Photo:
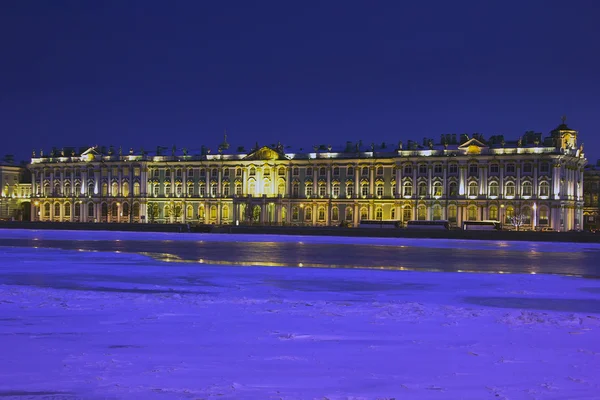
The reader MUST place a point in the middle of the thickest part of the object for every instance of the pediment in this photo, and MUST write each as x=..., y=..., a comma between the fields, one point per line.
x=472, y=146
x=265, y=153
x=90, y=154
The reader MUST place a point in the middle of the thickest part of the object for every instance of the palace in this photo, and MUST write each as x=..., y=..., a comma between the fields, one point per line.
x=456, y=179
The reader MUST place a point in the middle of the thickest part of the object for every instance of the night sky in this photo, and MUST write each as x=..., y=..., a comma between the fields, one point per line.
x=147, y=73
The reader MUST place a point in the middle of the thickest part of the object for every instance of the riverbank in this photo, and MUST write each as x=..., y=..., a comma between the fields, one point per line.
x=576, y=237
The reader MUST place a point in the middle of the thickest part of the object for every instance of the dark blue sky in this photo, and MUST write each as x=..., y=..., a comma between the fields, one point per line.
x=144, y=73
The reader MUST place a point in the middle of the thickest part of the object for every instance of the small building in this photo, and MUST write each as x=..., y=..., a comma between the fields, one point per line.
x=15, y=191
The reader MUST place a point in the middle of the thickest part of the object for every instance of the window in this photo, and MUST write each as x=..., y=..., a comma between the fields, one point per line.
x=407, y=190
x=494, y=213
x=473, y=169
x=494, y=168
x=472, y=189
x=322, y=190
x=349, y=214
x=365, y=171
x=422, y=189
x=336, y=190
x=406, y=213
x=437, y=169
x=472, y=213
x=422, y=169
x=202, y=172
x=309, y=190
x=190, y=189
x=527, y=168
x=295, y=189
x=493, y=189
x=167, y=189
x=437, y=189
x=308, y=213
x=393, y=213
x=364, y=214
x=252, y=171
x=167, y=173
x=364, y=189
x=190, y=173
x=214, y=173
x=407, y=169
x=213, y=212
x=510, y=213
x=527, y=189
x=225, y=212
x=509, y=189
x=266, y=172
x=349, y=190
x=322, y=171
x=125, y=189
x=225, y=190
x=421, y=213
x=281, y=171
x=136, y=189
x=105, y=189
x=178, y=173
x=510, y=168
x=295, y=213
x=309, y=171
x=544, y=168
x=526, y=212
x=543, y=216
x=202, y=190
x=114, y=189
x=90, y=209
x=213, y=190
x=336, y=171
x=238, y=189
x=379, y=190
x=378, y=214
x=321, y=214
x=453, y=169
x=226, y=172
x=335, y=214
x=56, y=210
x=350, y=171
x=189, y=212
x=379, y=171
x=67, y=209
x=437, y=212
x=452, y=213
x=453, y=189
x=544, y=189
x=296, y=171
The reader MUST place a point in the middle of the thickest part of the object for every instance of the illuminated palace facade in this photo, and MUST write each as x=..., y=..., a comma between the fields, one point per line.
x=457, y=179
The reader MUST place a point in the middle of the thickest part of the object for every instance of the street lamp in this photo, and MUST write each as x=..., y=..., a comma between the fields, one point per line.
x=502, y=215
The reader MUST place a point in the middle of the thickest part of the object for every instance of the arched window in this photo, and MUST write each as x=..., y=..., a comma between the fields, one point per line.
x=509, y=189
x=77, y=189
x=322, y=171
x=167, y=189
x=57, y=191
x=544, y=189
x=308, y=213
x=284, y=214
x=364, y=213
x=422, y=189
x=421, y=213
x=378, y=213
x=452, y=213
x=295, y=214
x=252, y=171
x=189, y=212
x=238, y=189
x=407, y=189
x=350, y=171
x=90, y=209
x=510, y=213
x=437, y=212
x=393, y=213
x=104, y=210
x=527, y=189
x=225, y=212
x=322, y=190
x=281, y=188
x=452, y=189
x=349, y=214
x=349, y=190
x=125, y=209
x=213, y=190
x=365, y=171
x=67, y=189
x=114, y=189
x=136, y=210
x=543, y=219
x=335, y=190
x=47, y=210
x=190, y=189
x=379, y=190
x=46, y=189
x=335, y=214
x=213, y=212
x=526, y=215
x=201, y=212
x=67, y=208
x=125, y=189
x=380, y=170
x=437, y=190
x=178, y=189
x=472, y=189
x=56, y=210
x=321, y=214
x=252, y=188
x=406, y=213
x=115, y=210
x=493, y=189
x=336, y=171
x=493, y=213
x=105, y=189
x=267, y=186
x=472, y=213
x=364, y=189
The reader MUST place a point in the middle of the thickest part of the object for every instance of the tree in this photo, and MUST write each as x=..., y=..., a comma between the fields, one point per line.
x=517, y=220
x=152, y=211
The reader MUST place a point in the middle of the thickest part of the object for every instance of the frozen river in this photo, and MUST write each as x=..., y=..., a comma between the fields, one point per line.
x=329, y=252
x=111, y=315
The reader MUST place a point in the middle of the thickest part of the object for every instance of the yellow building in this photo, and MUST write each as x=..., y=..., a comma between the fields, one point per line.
x=15, y=192
x=456, y=179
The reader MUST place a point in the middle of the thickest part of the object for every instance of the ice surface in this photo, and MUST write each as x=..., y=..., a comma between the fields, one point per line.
x=101, y=325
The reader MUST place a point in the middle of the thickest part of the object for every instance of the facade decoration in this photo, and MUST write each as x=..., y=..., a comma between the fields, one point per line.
x=591, y=201
x=456, y=179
